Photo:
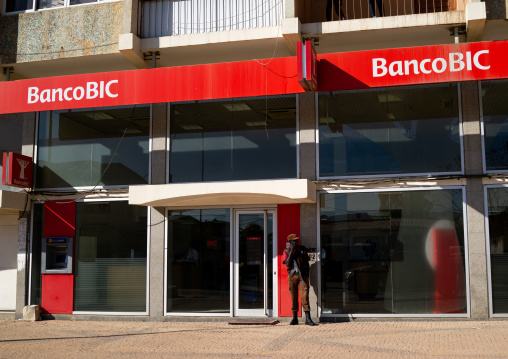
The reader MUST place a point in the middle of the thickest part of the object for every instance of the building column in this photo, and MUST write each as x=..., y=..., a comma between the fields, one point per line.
x=157, y=215
x=308, y=212
x=477, y=253
x=22, y=282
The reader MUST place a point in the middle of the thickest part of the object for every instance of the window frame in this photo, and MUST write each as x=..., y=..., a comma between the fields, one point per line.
x=93, y=200
x=35, y=9
x=397, y=175
x=297, y=140
x=482, y=130
x=351, y=316
x=487, y=251
x=98, y=187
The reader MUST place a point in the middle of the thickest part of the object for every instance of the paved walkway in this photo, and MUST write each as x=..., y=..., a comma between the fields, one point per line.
x=386, y=339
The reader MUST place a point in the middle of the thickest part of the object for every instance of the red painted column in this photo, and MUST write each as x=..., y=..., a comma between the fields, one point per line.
x=288, y=222
x=58, y=289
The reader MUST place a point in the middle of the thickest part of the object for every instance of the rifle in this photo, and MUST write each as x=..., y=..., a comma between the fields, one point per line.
x=297, y=270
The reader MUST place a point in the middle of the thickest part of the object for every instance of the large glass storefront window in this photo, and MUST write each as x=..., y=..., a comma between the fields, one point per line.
x=495, y=122
x=241, y=139
x=76, y=146
x=198, y=261
x=498, y=243
x=110, y=257
x=393, y=252
x=389, y=131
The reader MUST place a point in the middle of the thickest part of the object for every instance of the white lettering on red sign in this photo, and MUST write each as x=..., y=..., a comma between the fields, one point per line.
x=454, y=63
x=90, y=91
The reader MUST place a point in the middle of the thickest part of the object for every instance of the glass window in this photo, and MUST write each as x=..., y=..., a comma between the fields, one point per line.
x=111, y=253
x=393, y=252
x=198, y=261
x=11, y=137
x=399, y=130
x=48, y=4
x=28, y=5
x=18, y=5
x=75, y=147
x=498, y=239
x=227, y=140
x=495, y=122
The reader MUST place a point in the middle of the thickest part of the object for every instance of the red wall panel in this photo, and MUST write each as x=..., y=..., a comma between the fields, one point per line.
x=57, y=289
x=60, y=219
x=57, y=293
x=288, y=221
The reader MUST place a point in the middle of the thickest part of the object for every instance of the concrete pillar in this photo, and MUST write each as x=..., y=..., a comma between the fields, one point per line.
x=308, y=212
x=157, y=215
x=130, y=17
x=475, y=201
x=28, y=141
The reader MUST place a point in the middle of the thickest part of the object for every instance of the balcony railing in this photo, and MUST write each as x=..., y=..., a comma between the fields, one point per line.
x=182, y=17
x=337, y=10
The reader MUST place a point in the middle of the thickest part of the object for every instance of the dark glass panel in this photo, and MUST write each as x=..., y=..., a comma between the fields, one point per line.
x=111, y=257
x=393, y=252
x=247, y=139
x=398, y=130
x=76, y=146
x=198, y=261
x=498, y=237
x=495, y=121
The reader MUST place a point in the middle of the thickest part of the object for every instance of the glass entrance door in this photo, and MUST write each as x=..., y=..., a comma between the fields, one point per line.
x=255, y=263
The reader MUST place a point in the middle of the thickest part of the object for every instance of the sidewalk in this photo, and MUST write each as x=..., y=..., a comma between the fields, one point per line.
x=386, y=339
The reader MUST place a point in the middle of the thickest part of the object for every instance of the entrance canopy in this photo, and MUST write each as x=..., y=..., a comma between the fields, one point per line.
x=224, y=193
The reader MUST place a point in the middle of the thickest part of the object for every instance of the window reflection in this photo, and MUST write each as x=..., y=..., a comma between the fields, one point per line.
x=393, y=252
x=389, y=131
x=198, y=261
x=495, y=122
x=498, y=239
x=76, y=146
x=111, y=257
x=243, y=139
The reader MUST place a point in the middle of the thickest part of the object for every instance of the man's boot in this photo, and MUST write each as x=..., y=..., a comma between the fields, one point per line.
x=295, y=319
x=308, y=321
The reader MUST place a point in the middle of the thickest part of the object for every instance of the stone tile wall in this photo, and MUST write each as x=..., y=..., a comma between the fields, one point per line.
x=60, y=33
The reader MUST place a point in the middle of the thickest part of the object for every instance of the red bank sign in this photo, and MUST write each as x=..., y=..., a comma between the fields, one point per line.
x=330, y=72
x=307, y=65
x=17, y=170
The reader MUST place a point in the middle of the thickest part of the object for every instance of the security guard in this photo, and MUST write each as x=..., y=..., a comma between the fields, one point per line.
x=296, y=258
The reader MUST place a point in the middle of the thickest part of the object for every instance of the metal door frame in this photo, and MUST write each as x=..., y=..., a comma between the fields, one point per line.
x=235, y=273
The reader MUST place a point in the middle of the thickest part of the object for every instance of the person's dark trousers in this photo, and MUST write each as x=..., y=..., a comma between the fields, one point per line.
x=372, y=8
x=338, y=9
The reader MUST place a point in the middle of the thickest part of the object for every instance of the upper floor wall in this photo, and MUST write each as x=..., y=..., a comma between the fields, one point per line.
x=204, y=31
x=63, y=33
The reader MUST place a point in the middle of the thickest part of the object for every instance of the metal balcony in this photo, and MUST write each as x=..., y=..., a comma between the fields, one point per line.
x=338, y=10
x=183, y=17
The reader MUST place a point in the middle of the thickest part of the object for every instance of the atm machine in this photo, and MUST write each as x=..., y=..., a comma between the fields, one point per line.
x=56, y=255
x=57, y=275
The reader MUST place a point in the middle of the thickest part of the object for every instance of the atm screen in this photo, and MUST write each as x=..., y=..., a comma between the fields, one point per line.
x=61, y=259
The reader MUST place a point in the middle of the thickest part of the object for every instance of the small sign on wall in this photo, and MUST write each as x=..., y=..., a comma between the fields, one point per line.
x=17, y=170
